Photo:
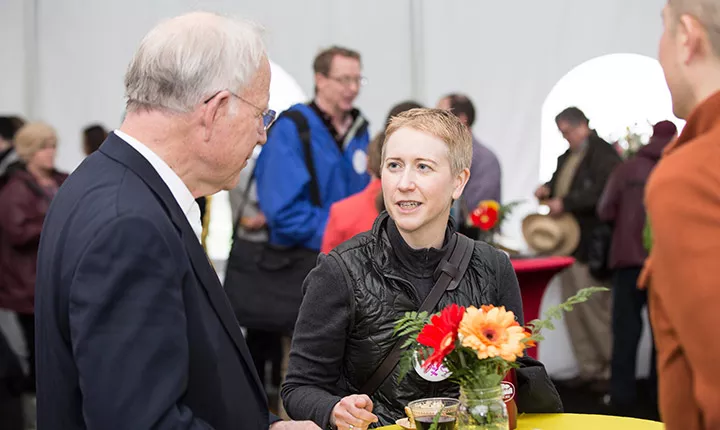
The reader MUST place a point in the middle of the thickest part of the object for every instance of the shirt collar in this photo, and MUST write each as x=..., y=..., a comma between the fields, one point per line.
x=177, y=187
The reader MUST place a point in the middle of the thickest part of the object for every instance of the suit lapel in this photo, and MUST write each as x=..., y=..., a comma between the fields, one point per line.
x=117, y=149
x=218, y=298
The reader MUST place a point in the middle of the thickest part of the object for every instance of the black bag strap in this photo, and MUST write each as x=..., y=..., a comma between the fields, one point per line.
x=303, y=129
x=452, y=271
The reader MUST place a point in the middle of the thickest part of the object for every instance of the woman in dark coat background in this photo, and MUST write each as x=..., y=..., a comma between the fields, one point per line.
x=29, y=187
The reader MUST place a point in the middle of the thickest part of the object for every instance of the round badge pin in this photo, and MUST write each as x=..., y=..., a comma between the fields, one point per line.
x=360, y=161
x=432, y=374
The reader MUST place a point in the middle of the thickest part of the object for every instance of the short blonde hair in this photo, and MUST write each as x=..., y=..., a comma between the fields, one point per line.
x=707, y=12
x=439, y=123
x=33, y=137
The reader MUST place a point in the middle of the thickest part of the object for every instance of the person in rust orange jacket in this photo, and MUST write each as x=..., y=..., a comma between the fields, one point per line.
x=683, y=205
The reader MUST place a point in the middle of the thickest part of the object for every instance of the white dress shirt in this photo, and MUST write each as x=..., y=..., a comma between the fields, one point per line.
x=177, y=187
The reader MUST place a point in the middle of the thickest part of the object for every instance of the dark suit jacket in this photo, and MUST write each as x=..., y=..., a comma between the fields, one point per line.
x=134, y=330
x=586, y=188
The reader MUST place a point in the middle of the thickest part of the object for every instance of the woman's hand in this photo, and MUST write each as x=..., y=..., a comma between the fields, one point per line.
x=353, y=413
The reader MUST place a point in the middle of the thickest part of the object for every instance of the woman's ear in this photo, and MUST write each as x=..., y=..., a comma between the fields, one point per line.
x=460, y=181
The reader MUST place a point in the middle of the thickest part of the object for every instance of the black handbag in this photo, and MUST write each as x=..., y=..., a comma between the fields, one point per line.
x=264, y=281
x=599, y=251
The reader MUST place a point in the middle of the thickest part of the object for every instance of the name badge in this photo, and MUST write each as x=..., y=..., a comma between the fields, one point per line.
x=433, y=373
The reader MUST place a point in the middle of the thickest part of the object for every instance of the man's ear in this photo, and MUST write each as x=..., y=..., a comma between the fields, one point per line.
x=463, y=119
x=692, y=38
x=214, y=109
x=320, y=81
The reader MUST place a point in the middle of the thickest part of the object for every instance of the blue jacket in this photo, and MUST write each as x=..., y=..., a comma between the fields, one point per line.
x=283, y=181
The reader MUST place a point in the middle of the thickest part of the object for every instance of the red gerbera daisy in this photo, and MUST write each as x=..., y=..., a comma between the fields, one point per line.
x=441, y=334
x=485, y=215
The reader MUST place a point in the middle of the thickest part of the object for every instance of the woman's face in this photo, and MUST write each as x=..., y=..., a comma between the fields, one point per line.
x=44, y=158
x=418, y=184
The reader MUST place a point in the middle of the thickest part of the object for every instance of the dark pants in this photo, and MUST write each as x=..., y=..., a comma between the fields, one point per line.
x=266, y=347
x=628, y=302
x=11, y=408
x=27, y=324
x=12, y=384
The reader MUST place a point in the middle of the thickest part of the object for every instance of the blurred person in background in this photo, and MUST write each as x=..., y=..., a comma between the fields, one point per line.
x=295, y=215
x=12, y=379
x=622, y=204
x=485, y=172
x=339, y=138
x=575, y=188
x=9, y=125
x=31, y=185
x=93, y=136
x=357, y=213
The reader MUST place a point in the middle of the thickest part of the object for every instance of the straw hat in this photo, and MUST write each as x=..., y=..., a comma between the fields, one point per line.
x=550, y=235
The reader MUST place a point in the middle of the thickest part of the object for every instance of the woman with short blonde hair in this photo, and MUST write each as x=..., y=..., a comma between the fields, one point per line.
x=358, y=291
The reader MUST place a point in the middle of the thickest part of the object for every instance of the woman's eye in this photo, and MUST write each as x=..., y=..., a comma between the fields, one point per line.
x=392, y=165
x=423, y=167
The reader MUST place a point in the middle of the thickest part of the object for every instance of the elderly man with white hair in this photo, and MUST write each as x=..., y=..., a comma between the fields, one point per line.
x=134, y=330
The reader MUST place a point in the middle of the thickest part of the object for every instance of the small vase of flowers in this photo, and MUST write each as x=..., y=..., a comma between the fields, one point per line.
x=476, y=348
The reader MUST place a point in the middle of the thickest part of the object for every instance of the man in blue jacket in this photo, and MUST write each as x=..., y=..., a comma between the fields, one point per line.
x=338, y=142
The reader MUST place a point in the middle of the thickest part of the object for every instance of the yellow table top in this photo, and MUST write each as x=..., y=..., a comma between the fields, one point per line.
x=577, y=422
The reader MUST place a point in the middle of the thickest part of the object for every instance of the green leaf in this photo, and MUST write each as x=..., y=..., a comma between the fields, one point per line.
x=407, y=363
x=436, y=419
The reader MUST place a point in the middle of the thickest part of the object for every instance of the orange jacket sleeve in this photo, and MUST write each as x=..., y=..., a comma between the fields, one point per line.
x=333, y=235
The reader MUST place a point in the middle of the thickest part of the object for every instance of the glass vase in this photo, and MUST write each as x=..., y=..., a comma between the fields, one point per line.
x=482, y=409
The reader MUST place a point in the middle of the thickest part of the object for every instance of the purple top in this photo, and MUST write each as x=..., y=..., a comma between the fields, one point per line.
x=485, y=177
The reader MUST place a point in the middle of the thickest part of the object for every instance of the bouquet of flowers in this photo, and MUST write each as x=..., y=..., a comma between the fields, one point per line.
x=475, y=347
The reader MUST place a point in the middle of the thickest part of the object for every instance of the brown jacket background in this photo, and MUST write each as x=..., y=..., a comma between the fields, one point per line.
x=622, y=204
x=683, y=203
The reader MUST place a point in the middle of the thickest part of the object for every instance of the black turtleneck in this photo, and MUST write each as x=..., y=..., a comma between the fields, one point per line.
x=418, y=265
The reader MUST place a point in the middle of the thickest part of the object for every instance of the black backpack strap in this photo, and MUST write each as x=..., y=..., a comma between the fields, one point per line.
x=303, y=129
x=452, y=271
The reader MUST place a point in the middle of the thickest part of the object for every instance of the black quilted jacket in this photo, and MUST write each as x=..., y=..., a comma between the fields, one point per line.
x=352, y=300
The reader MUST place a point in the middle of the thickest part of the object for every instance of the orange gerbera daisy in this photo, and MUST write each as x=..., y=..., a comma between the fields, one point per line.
x=493, y=332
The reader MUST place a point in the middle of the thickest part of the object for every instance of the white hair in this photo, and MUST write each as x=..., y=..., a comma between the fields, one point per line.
x=184, y=60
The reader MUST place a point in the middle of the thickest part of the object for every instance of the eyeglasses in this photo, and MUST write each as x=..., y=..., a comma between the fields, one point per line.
x=267, y=115
x=346, y=81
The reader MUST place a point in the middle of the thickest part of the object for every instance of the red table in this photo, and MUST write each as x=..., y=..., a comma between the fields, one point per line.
x=533, y=275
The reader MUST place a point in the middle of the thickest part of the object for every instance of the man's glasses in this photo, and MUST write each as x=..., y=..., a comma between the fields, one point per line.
x=346, y=81
x=268, y=115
